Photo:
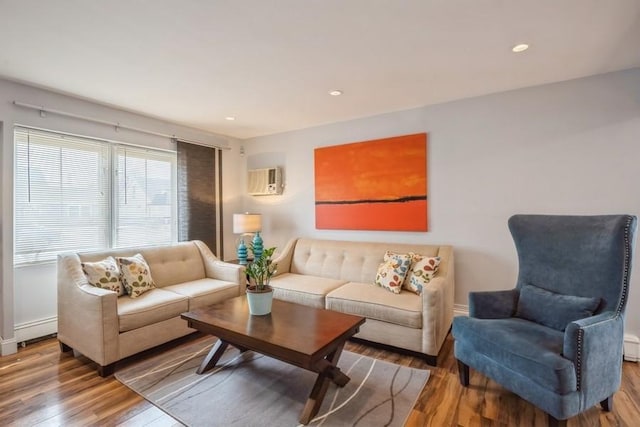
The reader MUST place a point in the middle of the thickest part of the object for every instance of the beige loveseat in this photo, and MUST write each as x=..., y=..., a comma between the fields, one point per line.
x=340, y=276
x=106, y=328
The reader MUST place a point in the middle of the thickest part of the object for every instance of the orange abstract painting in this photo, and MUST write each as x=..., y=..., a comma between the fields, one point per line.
x=373, y=185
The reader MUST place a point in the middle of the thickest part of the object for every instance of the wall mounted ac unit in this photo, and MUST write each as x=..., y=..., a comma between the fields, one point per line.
x=265, y=182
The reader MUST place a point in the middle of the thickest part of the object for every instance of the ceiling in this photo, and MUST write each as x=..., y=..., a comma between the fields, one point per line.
x=270, y=64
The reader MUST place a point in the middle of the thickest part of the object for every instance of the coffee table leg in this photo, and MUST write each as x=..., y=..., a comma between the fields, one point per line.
x=214, y=355
x=320, y=389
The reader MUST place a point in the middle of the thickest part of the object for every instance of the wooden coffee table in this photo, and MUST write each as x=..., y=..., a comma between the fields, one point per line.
x=303, y=336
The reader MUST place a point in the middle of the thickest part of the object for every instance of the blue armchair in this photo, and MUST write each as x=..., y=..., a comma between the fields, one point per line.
x=556, y=339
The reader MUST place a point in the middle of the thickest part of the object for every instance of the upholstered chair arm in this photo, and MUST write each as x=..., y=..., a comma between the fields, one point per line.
x=216, y=269
x=493, y=304
x=87, y=316
x=594, y=346
x=284, y=258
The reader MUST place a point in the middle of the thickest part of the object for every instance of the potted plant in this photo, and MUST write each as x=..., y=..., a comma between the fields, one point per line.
x=259, y=293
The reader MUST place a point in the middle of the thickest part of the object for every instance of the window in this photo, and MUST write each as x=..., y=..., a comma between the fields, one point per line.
x=145, y=195
x=74, y=193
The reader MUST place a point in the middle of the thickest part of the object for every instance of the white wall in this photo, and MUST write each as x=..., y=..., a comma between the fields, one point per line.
x=28, y=294
x=565, y=148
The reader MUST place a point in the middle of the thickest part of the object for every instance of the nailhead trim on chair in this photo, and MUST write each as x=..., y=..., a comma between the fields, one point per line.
x=621, y=303
x=579, y=359
x=627, y=253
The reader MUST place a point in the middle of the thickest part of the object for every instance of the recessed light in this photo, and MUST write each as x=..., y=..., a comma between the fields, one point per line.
x=520, y=48
x=230, y=118
x=335, y=92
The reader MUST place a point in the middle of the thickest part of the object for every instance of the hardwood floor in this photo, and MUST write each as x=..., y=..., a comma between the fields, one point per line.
x=40, y=386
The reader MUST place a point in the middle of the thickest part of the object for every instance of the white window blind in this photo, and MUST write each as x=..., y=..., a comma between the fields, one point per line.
x=61, y=194
x=146, y=197
x=64, y=188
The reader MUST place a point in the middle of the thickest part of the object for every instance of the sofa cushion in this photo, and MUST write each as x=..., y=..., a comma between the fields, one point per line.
x=303, y=289
x=392, y=271
x=349, y=261
x=135, y=275
x=552, y=309
x=373, y=302
x=204, y=292
x=521, y=346
x=178, y=263
x=151, y=307
x=104, y=274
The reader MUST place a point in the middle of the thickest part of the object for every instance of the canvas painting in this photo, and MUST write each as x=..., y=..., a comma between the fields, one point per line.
x=372, y=185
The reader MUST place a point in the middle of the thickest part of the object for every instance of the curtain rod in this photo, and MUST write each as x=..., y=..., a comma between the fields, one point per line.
x=117, y=126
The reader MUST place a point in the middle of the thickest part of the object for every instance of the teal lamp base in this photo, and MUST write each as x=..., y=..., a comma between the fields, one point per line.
x=242, y=252
x=257, y=246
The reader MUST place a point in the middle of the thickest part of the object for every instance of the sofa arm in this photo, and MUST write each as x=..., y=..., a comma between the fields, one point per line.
x=217, y=269
x=285, y=257
x=493, y=304
x=87, y=316
x=594, y=344
x=437, y=313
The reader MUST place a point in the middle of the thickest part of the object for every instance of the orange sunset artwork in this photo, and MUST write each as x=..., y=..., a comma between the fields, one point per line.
x=373, y=185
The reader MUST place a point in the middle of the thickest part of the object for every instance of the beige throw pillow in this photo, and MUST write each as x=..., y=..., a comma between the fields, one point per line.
x=135, y=275
x=104, y=274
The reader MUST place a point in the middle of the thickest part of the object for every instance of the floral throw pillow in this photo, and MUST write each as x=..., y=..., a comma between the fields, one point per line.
x=421, y=273
x=104, y=274
x=392, y=271
x=135, y=275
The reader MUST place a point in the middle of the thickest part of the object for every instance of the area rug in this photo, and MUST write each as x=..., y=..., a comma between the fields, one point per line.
x=249, y=389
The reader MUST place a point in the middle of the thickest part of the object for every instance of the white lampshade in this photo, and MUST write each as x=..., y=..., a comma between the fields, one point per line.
x=247, y=223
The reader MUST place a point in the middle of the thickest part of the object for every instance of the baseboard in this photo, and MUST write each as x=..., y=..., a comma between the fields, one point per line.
x=8, y=346
x=460, y=310
x=631, y=348
x=36, y=329
x=631, y=342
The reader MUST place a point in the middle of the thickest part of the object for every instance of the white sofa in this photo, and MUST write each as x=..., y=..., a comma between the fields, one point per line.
x=340, y=276
x=106, y=328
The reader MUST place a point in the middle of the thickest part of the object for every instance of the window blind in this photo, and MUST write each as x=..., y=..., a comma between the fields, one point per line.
x=62, y=197
x=198, y=198
x=81, y=194
x=146, y=198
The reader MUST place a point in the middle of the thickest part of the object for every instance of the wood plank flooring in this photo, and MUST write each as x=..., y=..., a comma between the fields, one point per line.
x=39, y=386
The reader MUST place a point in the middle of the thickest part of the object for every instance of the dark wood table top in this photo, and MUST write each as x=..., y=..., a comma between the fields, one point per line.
x=294, y=333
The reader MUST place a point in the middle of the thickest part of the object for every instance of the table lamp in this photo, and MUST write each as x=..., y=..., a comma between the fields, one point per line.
x=248, y=223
